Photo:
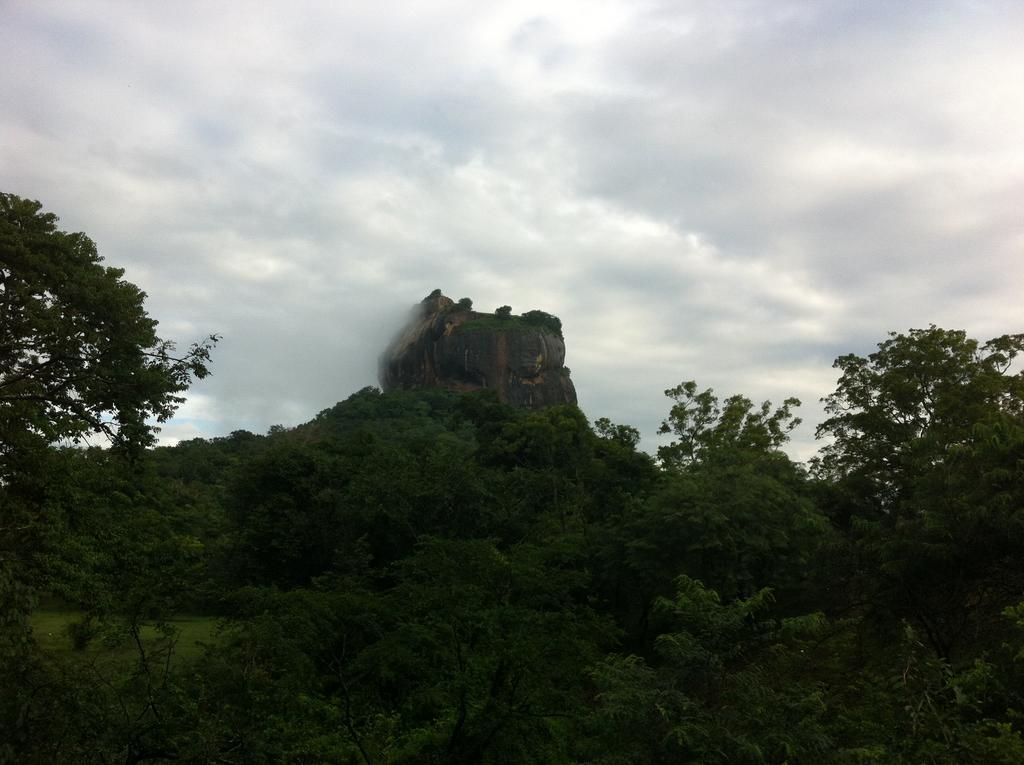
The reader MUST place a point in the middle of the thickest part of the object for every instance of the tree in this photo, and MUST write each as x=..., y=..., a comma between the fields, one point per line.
x=707, y=430
x=79, y=356
x=624, y=435
x=485, y=661
x=733, y=510
x=503, y=312
x=926, y=463
x=719, y=688
x=78, y=353
x=914, y=405
x=545, y=320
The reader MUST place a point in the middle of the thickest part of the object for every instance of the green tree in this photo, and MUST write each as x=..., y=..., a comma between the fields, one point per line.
x=913, y=406
x=706, y=430
x=78, y=353
x=624, y=435
x=720, y=688
x=545, y=320
x=79, y=357
x=485, y=661
x=927, y=473
x=547, y=451
x=732, y=509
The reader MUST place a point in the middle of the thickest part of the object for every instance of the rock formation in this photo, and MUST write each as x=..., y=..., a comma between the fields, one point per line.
x=448, y=345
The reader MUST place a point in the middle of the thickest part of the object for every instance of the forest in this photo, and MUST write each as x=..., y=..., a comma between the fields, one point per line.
x=432, y=577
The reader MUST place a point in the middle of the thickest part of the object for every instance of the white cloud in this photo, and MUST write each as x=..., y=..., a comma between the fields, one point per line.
x=734, y=192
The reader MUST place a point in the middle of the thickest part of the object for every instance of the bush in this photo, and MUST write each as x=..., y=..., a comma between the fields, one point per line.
x=545, y=320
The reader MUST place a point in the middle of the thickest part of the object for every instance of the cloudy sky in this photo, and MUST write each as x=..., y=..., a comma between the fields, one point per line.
x=732, y=191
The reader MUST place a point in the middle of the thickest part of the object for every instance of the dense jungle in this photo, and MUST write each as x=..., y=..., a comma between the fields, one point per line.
x=433, y=577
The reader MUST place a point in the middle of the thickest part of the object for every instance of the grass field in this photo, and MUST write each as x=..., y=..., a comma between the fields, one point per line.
x=50, y=627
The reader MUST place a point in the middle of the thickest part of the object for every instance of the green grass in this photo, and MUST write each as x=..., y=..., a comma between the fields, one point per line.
x=495, y=323
x=503, y=324
x=50, y=628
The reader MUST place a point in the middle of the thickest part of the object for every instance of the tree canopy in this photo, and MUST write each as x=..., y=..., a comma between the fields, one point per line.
x=430, y=577
x=78, y=353
x=79, y=356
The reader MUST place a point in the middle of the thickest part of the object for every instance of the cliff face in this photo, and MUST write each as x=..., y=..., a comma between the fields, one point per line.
x=446, y=346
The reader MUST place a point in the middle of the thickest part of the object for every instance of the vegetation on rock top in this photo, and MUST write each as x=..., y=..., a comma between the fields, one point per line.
x=505, y=321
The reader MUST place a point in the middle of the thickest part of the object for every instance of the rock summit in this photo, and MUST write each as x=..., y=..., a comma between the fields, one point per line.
x=448, y=345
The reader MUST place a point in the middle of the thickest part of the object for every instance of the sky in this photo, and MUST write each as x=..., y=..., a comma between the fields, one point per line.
x=733, y=191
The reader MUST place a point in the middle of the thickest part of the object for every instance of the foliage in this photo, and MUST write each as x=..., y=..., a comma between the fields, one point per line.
x=706, y=429
x=541, y=319
x=739, y=528
x=490, y=649
x=733, y=510
x=78, y=354
x=926, y=467
x=721, y=690
x=913, y=405
x=503, y=321
x=427, y=577
x=624, y=435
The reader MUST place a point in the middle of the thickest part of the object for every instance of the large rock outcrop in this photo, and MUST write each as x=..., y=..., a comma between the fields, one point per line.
x=447, y=345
